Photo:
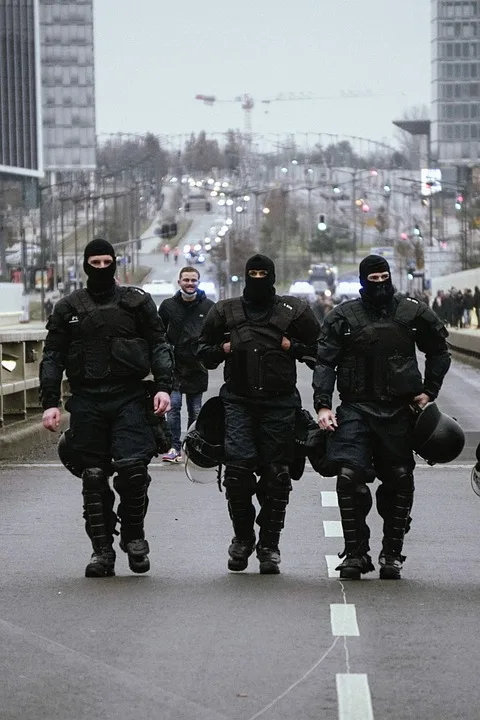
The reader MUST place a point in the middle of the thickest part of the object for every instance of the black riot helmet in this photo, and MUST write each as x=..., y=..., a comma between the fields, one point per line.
x=310, y=442
x=68, y=458
x=204, y=442
x=438, y=438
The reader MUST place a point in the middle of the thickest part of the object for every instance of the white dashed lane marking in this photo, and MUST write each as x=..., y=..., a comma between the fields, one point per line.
x=332, y=528
x=332, y=562
x=329, y=498
x=343, y=618
x=354, y=699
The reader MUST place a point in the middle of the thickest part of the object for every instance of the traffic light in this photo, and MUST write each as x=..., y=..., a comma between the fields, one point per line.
x=336, y=189
x=417, y=232
x=387, y=190
x=459, y=201
x=411, y=267
x=322, y=223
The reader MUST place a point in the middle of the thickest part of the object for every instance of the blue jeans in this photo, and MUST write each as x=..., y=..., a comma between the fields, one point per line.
x=174, y=417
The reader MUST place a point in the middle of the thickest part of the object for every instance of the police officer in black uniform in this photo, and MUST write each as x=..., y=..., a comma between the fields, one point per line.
x=108, y=338
x=259, y=336
x=368, y=346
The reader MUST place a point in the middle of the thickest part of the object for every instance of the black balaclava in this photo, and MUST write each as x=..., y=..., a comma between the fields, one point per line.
x=379, y=293
x=259, y=291
x=100, y=280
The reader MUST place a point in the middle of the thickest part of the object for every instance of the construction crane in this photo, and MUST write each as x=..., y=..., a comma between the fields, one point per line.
x=248, y=103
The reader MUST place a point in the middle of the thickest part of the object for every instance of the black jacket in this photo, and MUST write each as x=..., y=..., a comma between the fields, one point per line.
x=65, y=330
x=302, y=331
x=428, y=333
x=183, y=321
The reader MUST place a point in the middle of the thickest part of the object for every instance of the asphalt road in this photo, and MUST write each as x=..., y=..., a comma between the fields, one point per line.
x=191, y=641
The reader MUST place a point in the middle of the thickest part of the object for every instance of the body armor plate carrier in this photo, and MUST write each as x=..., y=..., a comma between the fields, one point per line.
x=257, y=366
x=105, y=341
x=379, y=357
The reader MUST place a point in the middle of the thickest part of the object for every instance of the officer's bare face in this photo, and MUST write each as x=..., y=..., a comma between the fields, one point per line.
x=378, y=277
x=100, y=261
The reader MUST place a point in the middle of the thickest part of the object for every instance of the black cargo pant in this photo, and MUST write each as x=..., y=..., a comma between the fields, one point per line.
x=259, y=441
x=113, y=426
x=112, y=429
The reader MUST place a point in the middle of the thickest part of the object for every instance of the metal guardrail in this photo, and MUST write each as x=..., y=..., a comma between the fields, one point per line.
x=20, y=352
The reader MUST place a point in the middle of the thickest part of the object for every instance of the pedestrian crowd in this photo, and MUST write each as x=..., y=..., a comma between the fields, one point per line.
x=108, y=339
x=458, y=308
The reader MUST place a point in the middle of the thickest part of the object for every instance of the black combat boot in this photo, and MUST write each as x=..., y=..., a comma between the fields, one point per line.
x=99, y=522
x=354, y=502
x=102, y=563
x=268, y=558
x=131, y=483
x=239, y=552
x=390, y=566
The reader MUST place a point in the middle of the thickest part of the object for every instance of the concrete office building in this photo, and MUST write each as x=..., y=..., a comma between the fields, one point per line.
x=20, y=119
x=68, y=85
x=456, y=82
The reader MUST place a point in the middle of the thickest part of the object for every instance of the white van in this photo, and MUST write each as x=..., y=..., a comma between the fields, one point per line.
x=160, y=291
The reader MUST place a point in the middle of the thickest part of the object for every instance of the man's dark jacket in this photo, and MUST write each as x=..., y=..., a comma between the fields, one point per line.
x=183, y=320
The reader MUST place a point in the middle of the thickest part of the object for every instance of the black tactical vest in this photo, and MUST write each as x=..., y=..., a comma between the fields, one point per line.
x=378, y=361
x=256, y=364
x=104, y=339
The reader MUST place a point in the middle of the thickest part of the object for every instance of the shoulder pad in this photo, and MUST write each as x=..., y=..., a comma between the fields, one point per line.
x=292, y=303
x=133, y=296
x=222, y=304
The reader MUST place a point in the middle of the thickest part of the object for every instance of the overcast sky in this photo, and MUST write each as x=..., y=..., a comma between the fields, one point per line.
x=154, y=56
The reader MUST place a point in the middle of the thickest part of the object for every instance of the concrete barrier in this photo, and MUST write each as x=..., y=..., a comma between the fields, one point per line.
x=466, y=342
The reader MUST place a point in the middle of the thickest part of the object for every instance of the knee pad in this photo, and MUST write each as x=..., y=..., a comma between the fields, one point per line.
x=402, y=479
x=131, y=478
x=276, y=476
x=350, y=480
x=239, y=479
x=94, y=480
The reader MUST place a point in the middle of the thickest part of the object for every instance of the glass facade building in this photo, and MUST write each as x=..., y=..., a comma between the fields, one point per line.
x=68, y=85
x=20, y=123
x=456, y=81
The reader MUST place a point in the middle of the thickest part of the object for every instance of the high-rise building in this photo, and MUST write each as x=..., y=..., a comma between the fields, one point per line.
x=68, y=85
x=20, y=123
x=456, y=81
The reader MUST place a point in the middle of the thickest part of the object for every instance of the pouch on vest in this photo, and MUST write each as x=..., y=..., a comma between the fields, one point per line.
x=129, y=356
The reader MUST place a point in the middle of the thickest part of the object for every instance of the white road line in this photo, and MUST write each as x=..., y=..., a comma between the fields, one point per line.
x=354, y=699
x=332, y=528
x=343, y=618
x=329, y=498
x=332, y=562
